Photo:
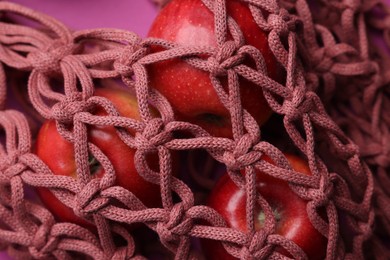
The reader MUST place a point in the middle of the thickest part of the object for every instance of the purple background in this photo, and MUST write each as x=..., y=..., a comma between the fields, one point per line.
x=131, y=15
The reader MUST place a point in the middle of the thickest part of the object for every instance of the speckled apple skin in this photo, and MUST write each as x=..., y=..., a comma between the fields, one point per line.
x=189, y=90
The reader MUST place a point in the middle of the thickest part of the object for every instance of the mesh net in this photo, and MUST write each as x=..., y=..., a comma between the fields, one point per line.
x=332, y=109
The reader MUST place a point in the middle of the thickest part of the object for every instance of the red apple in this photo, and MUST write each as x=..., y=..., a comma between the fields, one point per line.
x=59, y=155
x=189, y=90
x=289, y=209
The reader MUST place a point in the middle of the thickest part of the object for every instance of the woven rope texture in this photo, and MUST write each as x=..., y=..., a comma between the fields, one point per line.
x=331, y=107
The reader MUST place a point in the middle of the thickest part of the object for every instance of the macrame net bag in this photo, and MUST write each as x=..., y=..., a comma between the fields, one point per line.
x=332, y=109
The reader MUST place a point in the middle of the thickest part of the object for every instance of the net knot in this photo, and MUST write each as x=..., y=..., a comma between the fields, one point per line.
x=88, y=199
x=323, y=59
x=43, y=243
x=227, y=57
x=279, y=23
x=177, y=226
x=48, y=61
x=243, y=154
x=246, y=254
x=64, y=111
x=123, y=69
x=323, y=195
x=130, y=55
x=10, y=165
x=295, y=109
x=15, y=170
x=366, y=227
x=252, y=249
x=152, y=136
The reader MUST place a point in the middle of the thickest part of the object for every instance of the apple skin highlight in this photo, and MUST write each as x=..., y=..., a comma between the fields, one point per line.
x=189, y=90
x=59, y=155
x=290, y=212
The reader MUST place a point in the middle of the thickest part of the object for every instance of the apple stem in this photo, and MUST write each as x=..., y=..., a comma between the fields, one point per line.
x=261, y=217
x=94, y=164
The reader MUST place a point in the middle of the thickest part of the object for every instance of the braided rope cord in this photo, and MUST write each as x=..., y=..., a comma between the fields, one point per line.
x=352, y=54
x=333, y=50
